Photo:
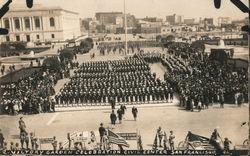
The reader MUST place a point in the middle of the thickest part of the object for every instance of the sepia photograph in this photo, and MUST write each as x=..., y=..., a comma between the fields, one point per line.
x=124, y=77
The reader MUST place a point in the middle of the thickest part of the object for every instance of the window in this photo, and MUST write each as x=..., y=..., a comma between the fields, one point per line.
x=7, y=38
x=52, y=22
x=17, y=38
x=27, y=23
x=37, y=22
x=17, y=23
x=28, y=38
x=7, y=23
x=38, y=37
x=52, y=35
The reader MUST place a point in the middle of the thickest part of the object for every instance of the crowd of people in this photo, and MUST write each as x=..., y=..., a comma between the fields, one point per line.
x=30, y=95
x=127, y=80
x=199, y=80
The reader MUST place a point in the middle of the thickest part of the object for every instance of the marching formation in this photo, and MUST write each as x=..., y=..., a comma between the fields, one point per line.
x=127, y=80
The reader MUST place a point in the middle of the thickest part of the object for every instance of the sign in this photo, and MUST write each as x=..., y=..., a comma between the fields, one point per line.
x=128, y=136
x=46, y=140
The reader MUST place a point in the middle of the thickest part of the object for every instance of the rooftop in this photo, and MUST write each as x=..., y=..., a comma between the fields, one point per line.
x=36, y=7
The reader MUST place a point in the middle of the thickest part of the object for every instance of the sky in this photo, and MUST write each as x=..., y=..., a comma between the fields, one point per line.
x=150, y=8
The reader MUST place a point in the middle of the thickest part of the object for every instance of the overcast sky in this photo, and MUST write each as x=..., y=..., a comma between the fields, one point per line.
x=151, y=8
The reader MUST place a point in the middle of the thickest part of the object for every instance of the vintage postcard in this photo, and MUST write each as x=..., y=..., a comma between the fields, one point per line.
x=133, y=77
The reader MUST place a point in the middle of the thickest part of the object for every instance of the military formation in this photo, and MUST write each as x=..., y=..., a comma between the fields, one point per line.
x=127, y=80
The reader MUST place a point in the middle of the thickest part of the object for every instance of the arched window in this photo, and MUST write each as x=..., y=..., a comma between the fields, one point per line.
x=17, y=23
x=52, y=22
x=37, y=23
x=27, y=23
x=7, y=23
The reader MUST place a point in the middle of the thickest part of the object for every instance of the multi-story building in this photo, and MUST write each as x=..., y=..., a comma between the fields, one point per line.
x=108, y=17
x=40, y=24
x=174, y=19
x=224, y=20
x=148, y=27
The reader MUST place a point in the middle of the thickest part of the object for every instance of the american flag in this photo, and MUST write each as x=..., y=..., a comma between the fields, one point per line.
x=116, y=139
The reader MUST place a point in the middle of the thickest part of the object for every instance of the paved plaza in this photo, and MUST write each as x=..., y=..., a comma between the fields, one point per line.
x=228, y=122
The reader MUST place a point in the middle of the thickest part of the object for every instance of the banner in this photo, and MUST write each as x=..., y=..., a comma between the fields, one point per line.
x=128, y=136
x=46, y=140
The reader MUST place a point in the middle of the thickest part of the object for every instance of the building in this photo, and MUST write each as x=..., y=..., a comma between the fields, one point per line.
x=108, y=17
x=148, y=27
x=40, y=24
x=166, y=30
x=209, y=21
x=224, y=20
x=190, y=21
x=174, y=19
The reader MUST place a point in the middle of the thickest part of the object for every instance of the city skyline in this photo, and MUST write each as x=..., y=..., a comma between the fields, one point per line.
x=155, y=8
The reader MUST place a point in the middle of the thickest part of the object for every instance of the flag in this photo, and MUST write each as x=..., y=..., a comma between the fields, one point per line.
x=203, y=141
x=116, y=139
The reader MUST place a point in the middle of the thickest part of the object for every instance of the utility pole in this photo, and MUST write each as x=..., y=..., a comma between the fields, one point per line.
x=125, y=27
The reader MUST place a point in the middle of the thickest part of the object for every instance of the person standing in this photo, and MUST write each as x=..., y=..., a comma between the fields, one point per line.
x=102, y=132
x=113, y=117
x=1, y=139
x=69, y=140
x=134, y=112
x=54, y=143
x=119, y=112
x=227, y=143
x=22, y=125
x=123, y=109
x=171, y=140
x=160, y=135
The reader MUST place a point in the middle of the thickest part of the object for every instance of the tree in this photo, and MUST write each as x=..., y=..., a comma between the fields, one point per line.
x=19, y=46
x=66, y=55
x=4, y=47
x=87, y=43
x=169, y=38
x=199, y=46
x=53, y=63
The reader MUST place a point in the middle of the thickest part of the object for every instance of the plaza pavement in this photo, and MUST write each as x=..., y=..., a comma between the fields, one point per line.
x=228, y=122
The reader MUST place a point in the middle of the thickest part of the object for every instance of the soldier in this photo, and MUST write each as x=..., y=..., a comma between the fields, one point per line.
x=227, y=143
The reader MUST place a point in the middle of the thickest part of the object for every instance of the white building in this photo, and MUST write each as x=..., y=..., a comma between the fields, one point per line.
x=40, y=24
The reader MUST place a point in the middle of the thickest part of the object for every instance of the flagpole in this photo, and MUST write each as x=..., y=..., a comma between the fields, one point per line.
x=125, y=26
